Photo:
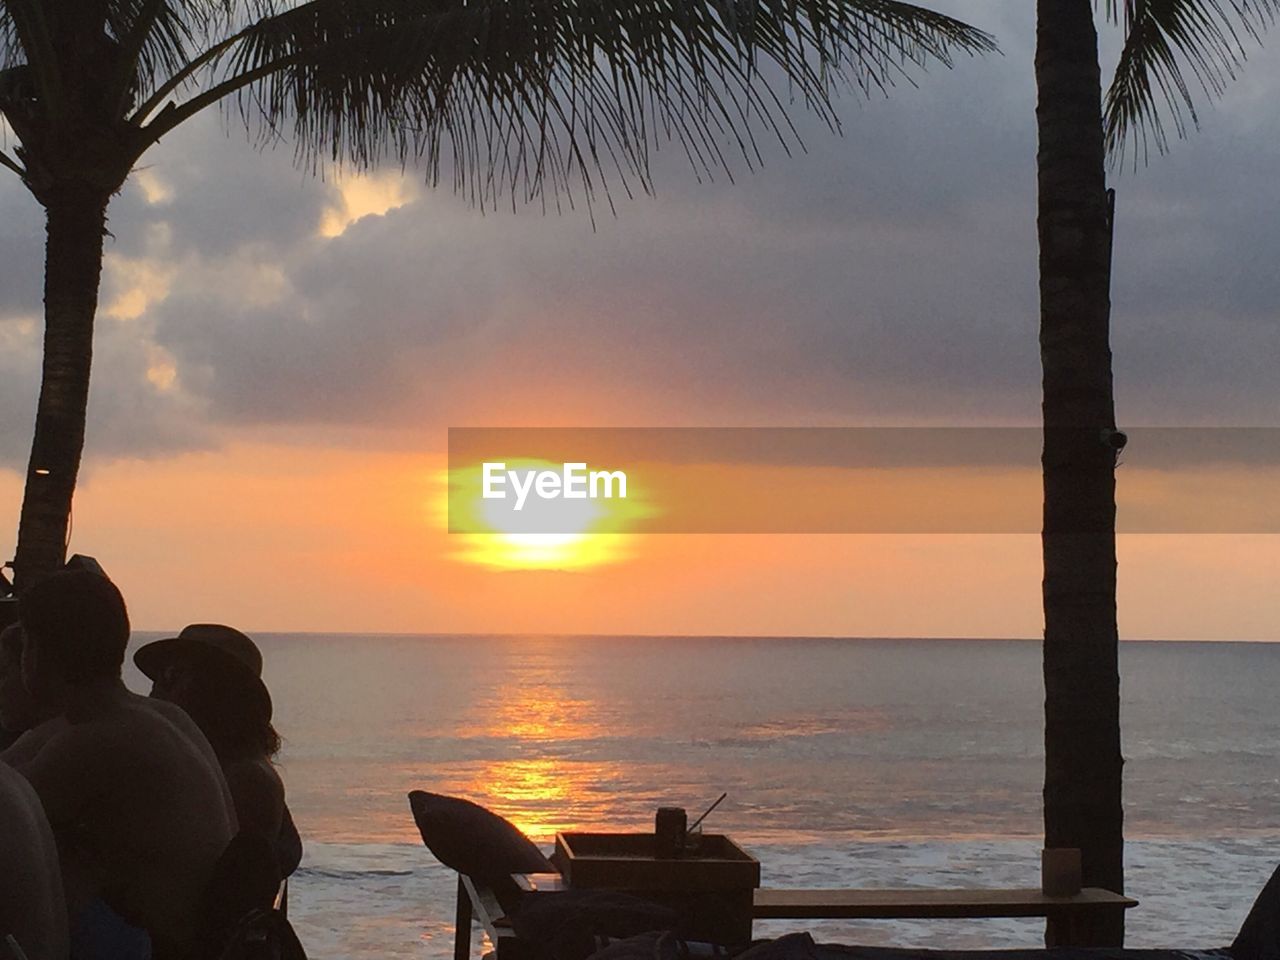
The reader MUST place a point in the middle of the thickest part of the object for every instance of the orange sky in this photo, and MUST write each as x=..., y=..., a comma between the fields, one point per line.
x=274, y=536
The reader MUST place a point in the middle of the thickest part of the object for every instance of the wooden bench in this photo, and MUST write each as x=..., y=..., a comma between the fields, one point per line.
x=923, y=904
x=926, y=903
x=929, y=903
x=811, y=904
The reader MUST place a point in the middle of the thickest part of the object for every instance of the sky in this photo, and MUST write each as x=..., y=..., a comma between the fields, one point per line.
x=279, y=358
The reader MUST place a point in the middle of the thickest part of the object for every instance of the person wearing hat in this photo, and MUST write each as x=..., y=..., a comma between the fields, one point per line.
x=214, y=672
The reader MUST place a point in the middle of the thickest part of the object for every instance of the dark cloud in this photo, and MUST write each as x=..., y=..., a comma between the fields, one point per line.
x=19, y=384
x=128, y=414
x=21, y=249
x=885, y=275
x=226, y=194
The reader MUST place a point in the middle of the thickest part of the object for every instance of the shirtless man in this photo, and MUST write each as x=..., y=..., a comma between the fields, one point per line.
x=32, y=910
x=131, y=787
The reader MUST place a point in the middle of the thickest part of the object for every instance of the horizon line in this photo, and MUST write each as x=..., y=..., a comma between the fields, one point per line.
x=543, y=635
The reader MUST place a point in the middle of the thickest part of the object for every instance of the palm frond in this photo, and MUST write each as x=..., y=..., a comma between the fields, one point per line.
x=531, y=95
x=29, y=45
x=159, y=38
x=1165, y=40
x=10, y=164
x=11, y=54
x=154, y=40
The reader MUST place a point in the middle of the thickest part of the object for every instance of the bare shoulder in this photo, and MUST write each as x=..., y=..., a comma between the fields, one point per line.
x=18, y=801
x=31, y=899
x=163, y=708
x=175, y=716
x=74, y=761
x=30, y=743
x=64, y=767
x=179, y=719
x=26, y=844
x=65, y=742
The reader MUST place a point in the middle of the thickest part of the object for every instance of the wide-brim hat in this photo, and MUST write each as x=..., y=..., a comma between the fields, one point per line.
x=216, y=650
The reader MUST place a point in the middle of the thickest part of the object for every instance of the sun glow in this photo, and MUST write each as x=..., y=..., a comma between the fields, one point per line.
x=589, y=532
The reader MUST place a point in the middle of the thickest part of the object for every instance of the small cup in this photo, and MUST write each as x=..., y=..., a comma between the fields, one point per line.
x=693, y=841
x=1060, y=871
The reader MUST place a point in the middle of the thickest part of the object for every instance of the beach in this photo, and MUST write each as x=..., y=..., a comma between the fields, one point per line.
x=848, y=762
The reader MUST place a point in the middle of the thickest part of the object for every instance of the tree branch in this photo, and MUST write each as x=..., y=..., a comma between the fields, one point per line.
x=183, y=75
x=175, y=114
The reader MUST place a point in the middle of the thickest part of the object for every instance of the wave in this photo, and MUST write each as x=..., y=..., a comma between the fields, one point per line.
x=333, y=873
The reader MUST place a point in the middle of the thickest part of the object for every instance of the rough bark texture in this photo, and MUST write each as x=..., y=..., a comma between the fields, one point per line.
x=1082, y=790
x=75, y=223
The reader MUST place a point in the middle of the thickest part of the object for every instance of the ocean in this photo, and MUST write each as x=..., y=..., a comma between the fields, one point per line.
x=847, y=762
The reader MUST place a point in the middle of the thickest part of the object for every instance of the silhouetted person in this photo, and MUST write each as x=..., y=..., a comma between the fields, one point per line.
x=131, y=788
x=214, y=672
x=32, y=908
x=19, y=711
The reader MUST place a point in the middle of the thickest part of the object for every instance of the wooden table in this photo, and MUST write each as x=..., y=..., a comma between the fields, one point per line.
x=710, y=886
x=932, y=903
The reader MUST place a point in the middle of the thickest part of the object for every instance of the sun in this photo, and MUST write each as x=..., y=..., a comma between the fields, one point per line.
x=588, y=533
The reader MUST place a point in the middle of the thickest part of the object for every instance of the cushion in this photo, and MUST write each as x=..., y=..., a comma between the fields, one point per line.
x=794, y=946
x=474, y=841
x=645, y=946
x=1259, y=936
x=657, y=945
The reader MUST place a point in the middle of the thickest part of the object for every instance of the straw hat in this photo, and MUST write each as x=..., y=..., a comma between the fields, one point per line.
x=212, y=649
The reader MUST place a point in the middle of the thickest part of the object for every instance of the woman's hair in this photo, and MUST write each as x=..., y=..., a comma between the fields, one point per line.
x=224, y=720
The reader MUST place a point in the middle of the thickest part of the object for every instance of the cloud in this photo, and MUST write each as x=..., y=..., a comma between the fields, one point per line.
x=887, y=276
x=21, y=249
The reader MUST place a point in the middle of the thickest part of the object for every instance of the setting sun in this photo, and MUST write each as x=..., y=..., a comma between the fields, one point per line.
x=588, y=532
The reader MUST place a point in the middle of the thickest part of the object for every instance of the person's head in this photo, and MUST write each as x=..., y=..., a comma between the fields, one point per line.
x=214, y=672
x=18, y=709
x=76, y=627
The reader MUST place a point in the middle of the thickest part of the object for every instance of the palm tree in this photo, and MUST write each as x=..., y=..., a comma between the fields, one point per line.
x=531, y=96
x=1082, y=787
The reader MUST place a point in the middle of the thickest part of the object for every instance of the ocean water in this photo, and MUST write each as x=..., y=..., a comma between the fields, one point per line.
x=847, y=763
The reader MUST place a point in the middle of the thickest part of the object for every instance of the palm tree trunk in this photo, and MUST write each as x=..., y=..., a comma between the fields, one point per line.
x=75, y=224
x=1082, y=789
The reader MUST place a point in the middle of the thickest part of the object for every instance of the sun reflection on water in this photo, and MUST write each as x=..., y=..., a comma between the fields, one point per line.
x=542, y=795
x=531, y=782
x=531, y=738
x=537, y=794
x=537, y=711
